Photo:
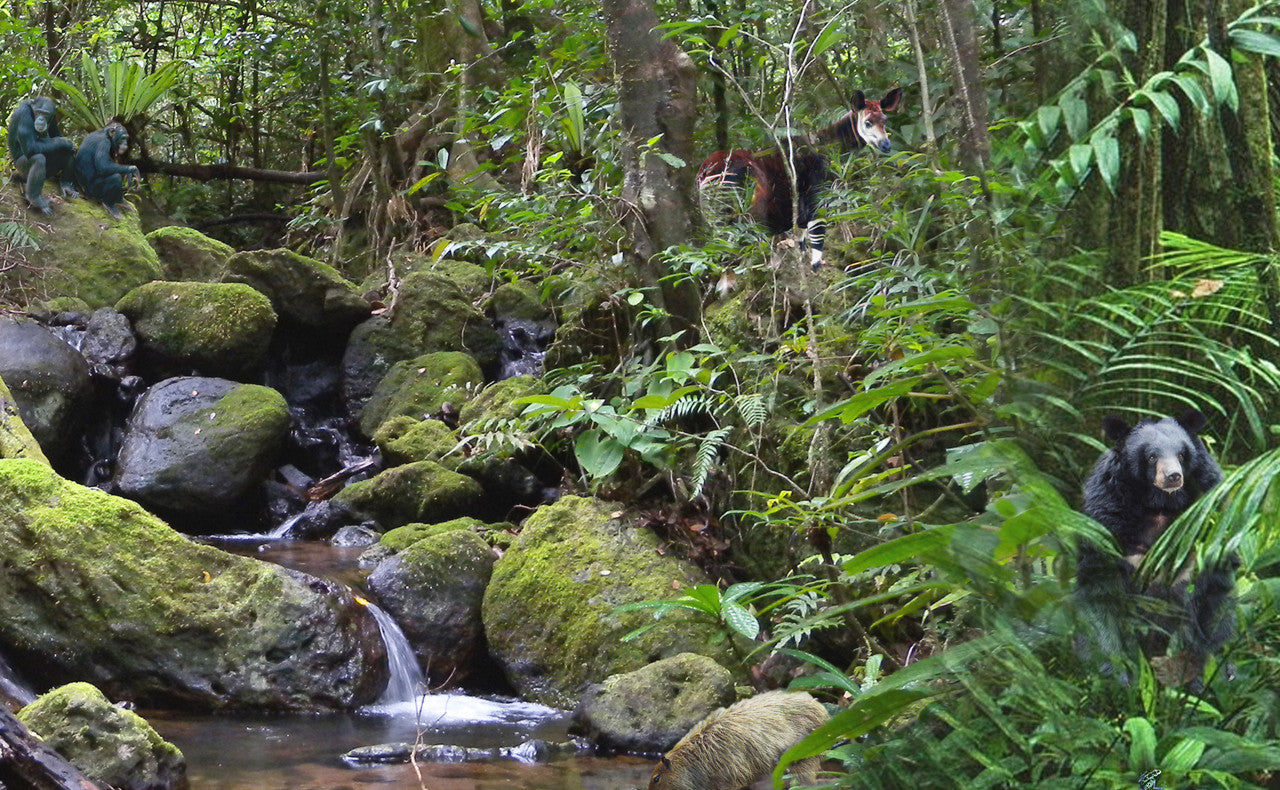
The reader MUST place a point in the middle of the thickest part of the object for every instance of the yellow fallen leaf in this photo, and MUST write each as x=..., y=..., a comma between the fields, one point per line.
x=360, y=600
x=207, y=577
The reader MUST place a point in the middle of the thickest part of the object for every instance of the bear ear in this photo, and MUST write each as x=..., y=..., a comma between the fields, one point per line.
x=1115, y=427
x=1192, y=420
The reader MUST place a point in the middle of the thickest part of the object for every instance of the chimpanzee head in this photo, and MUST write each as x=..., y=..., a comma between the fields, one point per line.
x=1161, y=452
x=43, y=110
x=118, y=137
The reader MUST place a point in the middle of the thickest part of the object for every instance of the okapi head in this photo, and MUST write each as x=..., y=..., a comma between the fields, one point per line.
x=864, y=124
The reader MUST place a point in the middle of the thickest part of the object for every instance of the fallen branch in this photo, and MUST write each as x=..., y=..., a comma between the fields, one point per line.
x=330, y=485
x=228, y=172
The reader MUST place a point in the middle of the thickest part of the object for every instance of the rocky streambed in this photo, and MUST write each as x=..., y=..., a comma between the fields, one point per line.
x=261, y=395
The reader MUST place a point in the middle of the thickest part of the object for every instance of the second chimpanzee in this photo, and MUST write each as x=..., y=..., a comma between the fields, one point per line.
x=98, y=174
x=39, y=150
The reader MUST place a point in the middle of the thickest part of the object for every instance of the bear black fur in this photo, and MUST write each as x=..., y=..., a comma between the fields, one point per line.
x=1154, y=472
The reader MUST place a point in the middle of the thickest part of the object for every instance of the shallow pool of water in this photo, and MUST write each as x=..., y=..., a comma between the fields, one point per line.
x=304, y=752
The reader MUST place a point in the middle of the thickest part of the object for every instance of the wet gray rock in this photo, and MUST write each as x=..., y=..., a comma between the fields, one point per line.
x=434, y=589
x=198, y=446
x=354, y=536
x=48, y=380
x=531, y=751
x=649, y=710
x=108, y=338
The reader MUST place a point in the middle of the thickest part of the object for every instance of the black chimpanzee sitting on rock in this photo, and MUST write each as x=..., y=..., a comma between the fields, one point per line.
x=39, y=150
x=1154, y=472
x=97, y=172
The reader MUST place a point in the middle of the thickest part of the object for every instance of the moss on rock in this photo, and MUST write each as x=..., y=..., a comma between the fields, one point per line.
x=652, y=708
x=16, y=440
x=424, y=491
x=517, y=300
x=495, y=401
x=404, y=439
x=97, y=588
x=221, y=329
x=301, y=289
x=187, y=254
x=86, y=254
x=550, y=610
x=401, y=538
x=111, y=745
x=419, y=386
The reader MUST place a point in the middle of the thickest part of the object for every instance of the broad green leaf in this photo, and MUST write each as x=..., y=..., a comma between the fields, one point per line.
x=831, y=35
x=1183, y=756
x=900, y=549
x=1256, y=41
x=1220, y=77
x=1076, y=114
x=1166, y=104
x=1142, y=743
x=599, y=456
x=740, y=620
x=1141, y=121
x=1106, y=152
x=1079, y=155
x=1048, y=117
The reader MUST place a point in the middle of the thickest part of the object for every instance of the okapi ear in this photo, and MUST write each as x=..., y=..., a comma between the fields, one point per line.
x=890, y=101
x=1115, y=427
x=665, y=762
x=1192, y=420
x=859, y=101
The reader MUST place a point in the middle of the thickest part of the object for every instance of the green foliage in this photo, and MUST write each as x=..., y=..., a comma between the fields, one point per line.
x=123, y=92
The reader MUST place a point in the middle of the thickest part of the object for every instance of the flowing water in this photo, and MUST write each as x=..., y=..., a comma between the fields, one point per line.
x=406, y=679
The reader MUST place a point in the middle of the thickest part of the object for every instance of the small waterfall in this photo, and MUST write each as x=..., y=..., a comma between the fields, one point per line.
x=12, y=686
x=406, y=681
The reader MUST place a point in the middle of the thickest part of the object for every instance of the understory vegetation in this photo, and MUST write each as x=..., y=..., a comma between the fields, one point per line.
x=881, y=461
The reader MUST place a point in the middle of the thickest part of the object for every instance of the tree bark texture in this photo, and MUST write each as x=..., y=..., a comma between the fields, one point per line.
x=656, y=98
x=960, y=40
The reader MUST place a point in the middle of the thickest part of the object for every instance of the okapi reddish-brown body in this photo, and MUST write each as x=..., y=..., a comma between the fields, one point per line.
x=771, y=204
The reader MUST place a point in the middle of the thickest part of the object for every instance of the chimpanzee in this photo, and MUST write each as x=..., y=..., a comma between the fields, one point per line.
x=39, y=150
x=98, y=175
x=1155, y=470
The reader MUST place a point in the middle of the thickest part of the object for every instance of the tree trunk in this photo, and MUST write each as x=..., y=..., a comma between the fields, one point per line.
x=656, y=92
x=960, y=40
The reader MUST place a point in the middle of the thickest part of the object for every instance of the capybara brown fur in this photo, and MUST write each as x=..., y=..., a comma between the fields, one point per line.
x=741, y=744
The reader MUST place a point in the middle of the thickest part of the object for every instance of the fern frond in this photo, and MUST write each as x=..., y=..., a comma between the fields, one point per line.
x=685, y=407
x=707, y=457
x=751, y=407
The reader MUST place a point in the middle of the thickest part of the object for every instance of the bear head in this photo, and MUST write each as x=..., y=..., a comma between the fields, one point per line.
x=1160, y=451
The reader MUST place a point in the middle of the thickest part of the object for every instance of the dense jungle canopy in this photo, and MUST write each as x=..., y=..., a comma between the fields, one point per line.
x=879, y=462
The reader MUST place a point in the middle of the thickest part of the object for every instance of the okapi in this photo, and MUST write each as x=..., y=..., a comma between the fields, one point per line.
x=771, y=205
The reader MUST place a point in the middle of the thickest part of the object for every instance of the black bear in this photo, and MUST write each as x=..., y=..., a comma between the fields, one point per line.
x=1155, y=470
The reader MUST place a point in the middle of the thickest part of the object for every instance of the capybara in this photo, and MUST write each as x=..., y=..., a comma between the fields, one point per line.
x=741, y=744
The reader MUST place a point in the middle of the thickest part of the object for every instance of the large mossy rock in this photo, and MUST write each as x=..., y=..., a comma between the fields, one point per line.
x=424, y=491
x=550, y=611
x=434, y=589
x=47, y=380
x=301, y=289
x=495, y=402
x=196, y=447
x=652, y=708
x=187, y=254
x=96, y=588
x=404, y=440
x=16, y=440
x=111, y=745
x=431, y=314
x=220, y=329
x=86, y=254
x=419, y=387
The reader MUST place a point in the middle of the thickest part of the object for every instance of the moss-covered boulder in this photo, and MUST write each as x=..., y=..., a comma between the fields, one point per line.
x=301, y=289
x=424, y=491
x=220, y=329
x=433, y=589
x=96, y=588
x=518, y=299
x=48, y=381
x=650, y=709
x=16, y=440
x=196, y=448
x=470, y=278
x=431, y=314
x=405, y=439
x=418, y=387
x=550, y=611
x=189, y=255
x=495, y=402
x=402, y=538
x=111, y=745
x=85, y=254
